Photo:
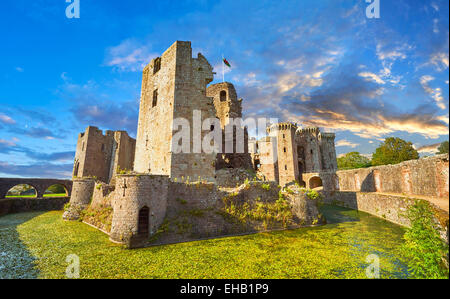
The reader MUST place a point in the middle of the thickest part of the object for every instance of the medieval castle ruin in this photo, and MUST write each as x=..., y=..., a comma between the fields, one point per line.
x=159, y=188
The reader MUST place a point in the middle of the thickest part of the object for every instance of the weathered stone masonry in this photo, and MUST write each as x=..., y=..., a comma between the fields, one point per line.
x=102, y=156
x=40, y=185
x=426, y=177
x=174, y=88
x=291, y=153
x=387, y=191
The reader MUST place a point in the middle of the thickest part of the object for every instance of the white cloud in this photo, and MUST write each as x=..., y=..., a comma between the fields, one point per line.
x=129, y=55
x=19, y=69
x=344, y=142
x=371, y=76
x=440, y=60
x=435, y=93
x=391, y=54
x=6, y=119
x=429, y=149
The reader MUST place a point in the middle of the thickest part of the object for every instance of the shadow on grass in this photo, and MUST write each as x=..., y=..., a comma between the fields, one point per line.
x=15, y=259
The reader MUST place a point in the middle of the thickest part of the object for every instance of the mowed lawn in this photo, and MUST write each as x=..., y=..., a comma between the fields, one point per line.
x=35, y=245
x=33, y=195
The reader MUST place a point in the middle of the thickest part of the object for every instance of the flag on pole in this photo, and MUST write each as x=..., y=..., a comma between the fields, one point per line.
x=226, y=62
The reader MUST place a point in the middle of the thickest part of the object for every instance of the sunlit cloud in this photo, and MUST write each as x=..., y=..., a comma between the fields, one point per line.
x=344, y=142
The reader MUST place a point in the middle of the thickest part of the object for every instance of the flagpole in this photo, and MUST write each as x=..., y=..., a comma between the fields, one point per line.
x=223, y=70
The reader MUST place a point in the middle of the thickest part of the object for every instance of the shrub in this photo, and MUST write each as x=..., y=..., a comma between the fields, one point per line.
x=66, y=206
x=426, y=252
x=266, y=187
x=313, y=194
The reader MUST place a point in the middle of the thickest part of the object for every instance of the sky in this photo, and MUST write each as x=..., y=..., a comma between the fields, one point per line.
x=316, y=63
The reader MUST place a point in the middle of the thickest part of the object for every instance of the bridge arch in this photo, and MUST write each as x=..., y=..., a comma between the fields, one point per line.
x=33, y=192
x=40, y=185
x=59, y=189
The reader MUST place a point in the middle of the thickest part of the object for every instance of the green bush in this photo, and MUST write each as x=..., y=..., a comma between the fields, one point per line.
x=426, y=252
x=266, y=187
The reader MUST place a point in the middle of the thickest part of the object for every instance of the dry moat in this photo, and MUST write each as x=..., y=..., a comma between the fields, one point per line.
x=35, y=245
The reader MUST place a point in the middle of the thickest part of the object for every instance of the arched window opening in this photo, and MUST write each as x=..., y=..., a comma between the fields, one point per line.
x=155, y=98
x=56, y=190
x=22, y=190
x=223, y=96
x=143, y=223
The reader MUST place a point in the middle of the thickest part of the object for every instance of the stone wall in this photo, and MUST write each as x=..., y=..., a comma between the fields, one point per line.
x=198, y=210
x=425, y=177
x=389, y=207
x=233, y=177
x=132, y=194
x=181, y=211
x=328, y=180
x=21, y=205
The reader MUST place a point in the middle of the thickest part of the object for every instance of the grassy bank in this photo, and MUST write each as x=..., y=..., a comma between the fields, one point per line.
x=36, y=245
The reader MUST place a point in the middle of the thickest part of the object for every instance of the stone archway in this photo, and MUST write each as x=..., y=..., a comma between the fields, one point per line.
x=315, y=182
x=22, y=190
x=40, y=185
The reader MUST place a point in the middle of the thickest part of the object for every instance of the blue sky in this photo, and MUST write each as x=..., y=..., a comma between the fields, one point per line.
x=321, y=63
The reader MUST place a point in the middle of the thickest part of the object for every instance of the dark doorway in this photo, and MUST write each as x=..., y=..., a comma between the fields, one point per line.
x=315, y=182
x=143, y=221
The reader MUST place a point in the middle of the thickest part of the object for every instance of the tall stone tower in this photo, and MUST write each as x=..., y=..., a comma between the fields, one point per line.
x=329, y=161
x=225, y=101
x=287, y=151
x=173, y=86
x=308, y=145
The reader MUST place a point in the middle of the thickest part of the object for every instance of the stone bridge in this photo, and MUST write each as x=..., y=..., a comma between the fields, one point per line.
x=40, y=185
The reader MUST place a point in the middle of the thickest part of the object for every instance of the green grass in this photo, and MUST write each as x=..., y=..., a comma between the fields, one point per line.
x=30, y=196
x=36, y=245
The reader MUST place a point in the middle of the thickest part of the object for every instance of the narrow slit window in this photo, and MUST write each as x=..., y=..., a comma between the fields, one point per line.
x=155, y=98
x=157, y=65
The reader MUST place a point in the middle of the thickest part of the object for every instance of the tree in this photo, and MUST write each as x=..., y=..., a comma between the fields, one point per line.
x=443, y=148
x=352, y=160
x=394, y=150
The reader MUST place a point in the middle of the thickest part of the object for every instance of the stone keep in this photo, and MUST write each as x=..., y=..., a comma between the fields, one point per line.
x=173, y=86
x=102, y=156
